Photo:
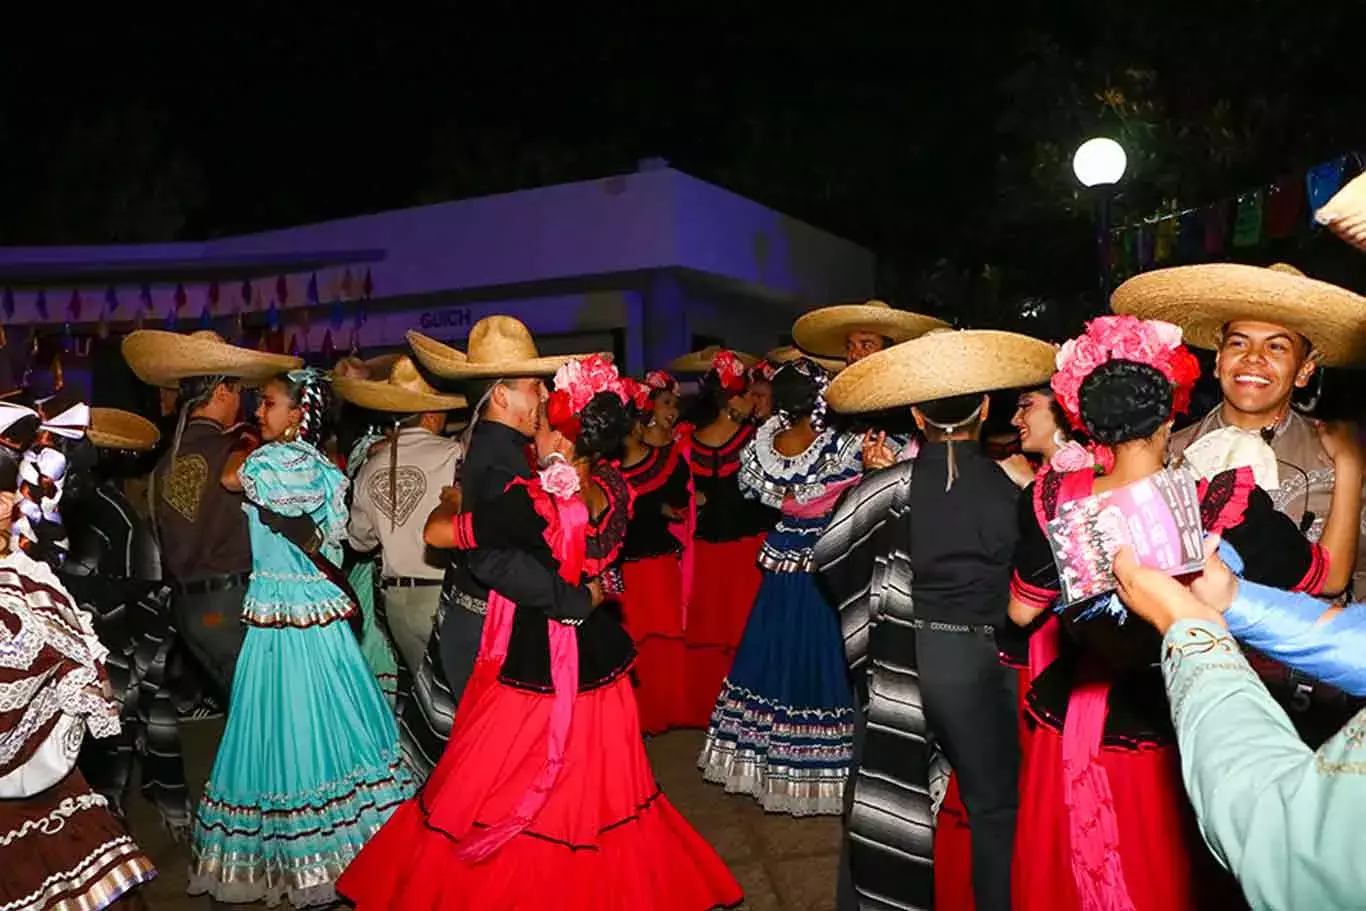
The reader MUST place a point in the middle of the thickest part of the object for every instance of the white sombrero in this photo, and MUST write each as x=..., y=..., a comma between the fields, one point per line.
x=404, y=391
x=499, y=347
x=1345, y=213
x=114, y=428
x=939, y=365
x=163, y=359
x=789, y=353
x=824, y=332
x=701, y=361
x=1203, y=299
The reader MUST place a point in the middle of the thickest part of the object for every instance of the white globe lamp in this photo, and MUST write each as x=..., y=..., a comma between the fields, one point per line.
x=1099, y=162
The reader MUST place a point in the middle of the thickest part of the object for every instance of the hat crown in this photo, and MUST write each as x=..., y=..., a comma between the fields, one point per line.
x=500, y=340
x=209, y=335
x=405, y=375
x=1286, y=268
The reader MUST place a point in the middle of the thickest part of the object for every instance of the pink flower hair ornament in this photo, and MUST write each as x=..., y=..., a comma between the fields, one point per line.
x=575, y=385
x=661, y=381
x=1124, y=338
x=730, y=370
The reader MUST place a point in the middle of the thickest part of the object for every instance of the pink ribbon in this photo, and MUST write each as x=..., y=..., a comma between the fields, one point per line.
x=567, y=539
x=812, y=509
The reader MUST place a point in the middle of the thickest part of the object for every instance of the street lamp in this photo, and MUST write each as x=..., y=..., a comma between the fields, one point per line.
x=1099, y=163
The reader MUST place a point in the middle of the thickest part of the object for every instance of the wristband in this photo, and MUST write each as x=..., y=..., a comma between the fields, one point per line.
x=462, y=527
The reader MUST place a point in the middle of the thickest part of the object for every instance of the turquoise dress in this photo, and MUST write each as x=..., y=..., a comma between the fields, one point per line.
x=309, y=766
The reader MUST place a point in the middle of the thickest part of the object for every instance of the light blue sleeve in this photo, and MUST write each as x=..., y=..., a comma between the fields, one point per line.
x=1285, y=626
x=1284, y=819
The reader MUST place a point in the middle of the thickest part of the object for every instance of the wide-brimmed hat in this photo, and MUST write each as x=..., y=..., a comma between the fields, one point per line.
x=163, y=359
x=824, y=332
x=499, y=347
x=372, y=368
x=404, y=391
x=700, y=361
x=788, y=353
x=114, y=428
x=940, y=365
x=1203, y=299
x=1345, y=213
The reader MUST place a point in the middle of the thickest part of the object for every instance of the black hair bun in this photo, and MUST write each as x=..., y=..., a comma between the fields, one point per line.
x=795, y=394
x=1123, y=401
x=603, y=425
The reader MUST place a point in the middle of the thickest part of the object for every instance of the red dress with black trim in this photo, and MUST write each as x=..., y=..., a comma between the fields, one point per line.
x=652, y=578
x=544, y=797
x=1104, y=821
x=729, y=533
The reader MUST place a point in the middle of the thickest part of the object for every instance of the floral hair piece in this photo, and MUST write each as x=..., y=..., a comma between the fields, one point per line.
x=575, y=385
x=763, y=372
x=638, y=394
x=661, y=381
x=1124, y=338
x=730, y=370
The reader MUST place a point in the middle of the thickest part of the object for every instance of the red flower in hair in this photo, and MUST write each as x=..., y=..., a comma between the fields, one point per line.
x=559, y=411
x=763, y=371
x=638, y=393
x=730, y=370
x=661, y=381
x=1107, y=338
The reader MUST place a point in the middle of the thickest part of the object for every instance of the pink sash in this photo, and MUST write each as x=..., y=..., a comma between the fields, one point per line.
x=567, y=536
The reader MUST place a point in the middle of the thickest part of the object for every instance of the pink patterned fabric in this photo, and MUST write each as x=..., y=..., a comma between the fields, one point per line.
x=822, y=504
x=567, y=536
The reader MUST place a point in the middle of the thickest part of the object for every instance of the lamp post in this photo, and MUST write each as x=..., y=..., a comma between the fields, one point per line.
x=1099, y=163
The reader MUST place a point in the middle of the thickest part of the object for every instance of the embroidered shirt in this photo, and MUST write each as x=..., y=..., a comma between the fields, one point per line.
x=199, y=522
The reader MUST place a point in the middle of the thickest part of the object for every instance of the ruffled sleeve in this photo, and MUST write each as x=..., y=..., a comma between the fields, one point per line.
x=1274, y=551
x=295, y=479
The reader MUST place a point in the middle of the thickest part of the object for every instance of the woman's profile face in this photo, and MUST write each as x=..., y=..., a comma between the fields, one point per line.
x=664, y=412
x=761, y=398
x=275, y=413
x=1035, y=422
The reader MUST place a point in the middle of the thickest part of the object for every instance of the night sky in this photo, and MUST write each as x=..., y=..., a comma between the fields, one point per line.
x=924, y=135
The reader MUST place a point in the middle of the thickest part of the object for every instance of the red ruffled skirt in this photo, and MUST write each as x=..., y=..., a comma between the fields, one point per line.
x=1166, y=864
x=726, y=579
x=652, y=611
x=606, y=839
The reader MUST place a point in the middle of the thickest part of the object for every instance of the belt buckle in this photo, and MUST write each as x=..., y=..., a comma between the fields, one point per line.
x=1299, y=700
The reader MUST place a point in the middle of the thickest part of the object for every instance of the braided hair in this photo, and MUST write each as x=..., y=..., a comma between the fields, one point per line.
x=310, y=391
x=799, y=392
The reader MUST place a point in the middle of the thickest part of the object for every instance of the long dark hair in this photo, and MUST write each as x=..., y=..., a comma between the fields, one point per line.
x=310, y=391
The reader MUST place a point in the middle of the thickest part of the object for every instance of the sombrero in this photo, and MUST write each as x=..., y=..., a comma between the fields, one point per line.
x=499, y=347
x=779, y=356
x=114, y=428
x=1203, y=299
x=700, y=361
x=823, y=332
x=404, y=391
x=1345, y=213
x=374, y=368
x=165, y=358
x=939, y=365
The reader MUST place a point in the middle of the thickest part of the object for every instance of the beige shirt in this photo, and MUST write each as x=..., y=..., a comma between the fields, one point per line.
x=1306, y=476
x=393, y=520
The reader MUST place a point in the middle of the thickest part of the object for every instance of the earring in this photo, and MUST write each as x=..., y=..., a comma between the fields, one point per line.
x=1058, y=439
x=291, y=433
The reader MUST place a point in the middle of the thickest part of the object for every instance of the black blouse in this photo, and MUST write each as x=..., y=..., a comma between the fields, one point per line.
x=605, y=650
x=1274, y=553
x=727, y=514
x=658, y=480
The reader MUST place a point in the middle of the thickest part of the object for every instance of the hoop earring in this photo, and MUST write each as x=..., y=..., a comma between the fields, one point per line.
x=1058, y=439
x=291, y=433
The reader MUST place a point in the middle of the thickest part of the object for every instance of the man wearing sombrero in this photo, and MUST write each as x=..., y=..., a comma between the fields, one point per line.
x=394, y=491
x=918, y=559
x=1271, y=329
x=504, y=377
x=199, y=524
x=851, y=332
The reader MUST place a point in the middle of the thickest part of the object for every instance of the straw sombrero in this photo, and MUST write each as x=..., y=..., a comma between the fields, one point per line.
x=374, y=368
x=700, y=361
x=404, y=391
x=823, y=332
x=114, y=428
x=499, y=347
x=939, y=365
x=1345, y=213
x=788, y=353
x=165, y=358
x=1203, y=299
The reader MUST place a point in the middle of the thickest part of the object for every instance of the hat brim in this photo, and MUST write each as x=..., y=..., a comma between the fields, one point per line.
x=163, y=359
x=700, y=361
x=824, y=332
x=381, y=395
x=1345, y=213
x=1203, y=299
x=779, y=356
x=939, y=366
x=450, y=364
x=114, y=428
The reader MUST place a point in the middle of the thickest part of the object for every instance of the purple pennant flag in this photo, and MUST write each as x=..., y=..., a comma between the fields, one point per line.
x=273, y=316
x=313, y=290
x=246, y=293
x=206, y=317
x=145, y=296
x=111, y=300
x=9, y=302
x=338, y=313
x=41, y=303
x=73, y=308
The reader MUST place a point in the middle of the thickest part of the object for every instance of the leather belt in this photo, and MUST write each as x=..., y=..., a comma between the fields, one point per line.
x=409, y=582
x=939, y=626
x=210, y=584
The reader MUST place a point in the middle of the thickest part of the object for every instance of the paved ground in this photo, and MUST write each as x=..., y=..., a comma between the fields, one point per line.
x=784, y=864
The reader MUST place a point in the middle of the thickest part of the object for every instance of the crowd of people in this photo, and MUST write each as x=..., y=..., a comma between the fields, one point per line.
x=441, y=648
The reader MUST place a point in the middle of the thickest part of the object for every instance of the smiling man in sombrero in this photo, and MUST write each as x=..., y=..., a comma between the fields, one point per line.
x=200, y=525
x=851, y=332
x=918, y=558
x=504, y=376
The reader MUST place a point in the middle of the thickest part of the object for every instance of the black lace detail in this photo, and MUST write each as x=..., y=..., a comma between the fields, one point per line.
x=1050, y=487
x=609, y=529
x=650, y=472
x=720, y=461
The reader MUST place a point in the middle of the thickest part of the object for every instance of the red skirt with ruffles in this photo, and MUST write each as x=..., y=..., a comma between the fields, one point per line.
x=606, y=839
x=726, y=579
x=652, y=612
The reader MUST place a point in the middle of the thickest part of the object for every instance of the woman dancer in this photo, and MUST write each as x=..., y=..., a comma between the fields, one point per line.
x=652, y=571
x=1103, y=820
x=308, y=767
x=545, y=797
x=730, y=531
x=783, y=726
x=62, y=847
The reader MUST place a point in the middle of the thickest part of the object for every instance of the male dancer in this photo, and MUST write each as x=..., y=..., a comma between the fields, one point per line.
x=505, y=379
x=943, y=525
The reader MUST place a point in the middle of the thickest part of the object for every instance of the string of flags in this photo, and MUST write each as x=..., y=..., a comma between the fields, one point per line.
x=1279, y=210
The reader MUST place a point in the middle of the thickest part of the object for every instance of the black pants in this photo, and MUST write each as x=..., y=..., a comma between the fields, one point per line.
x=461, y=631
x=210, y=625
x=970, y=705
